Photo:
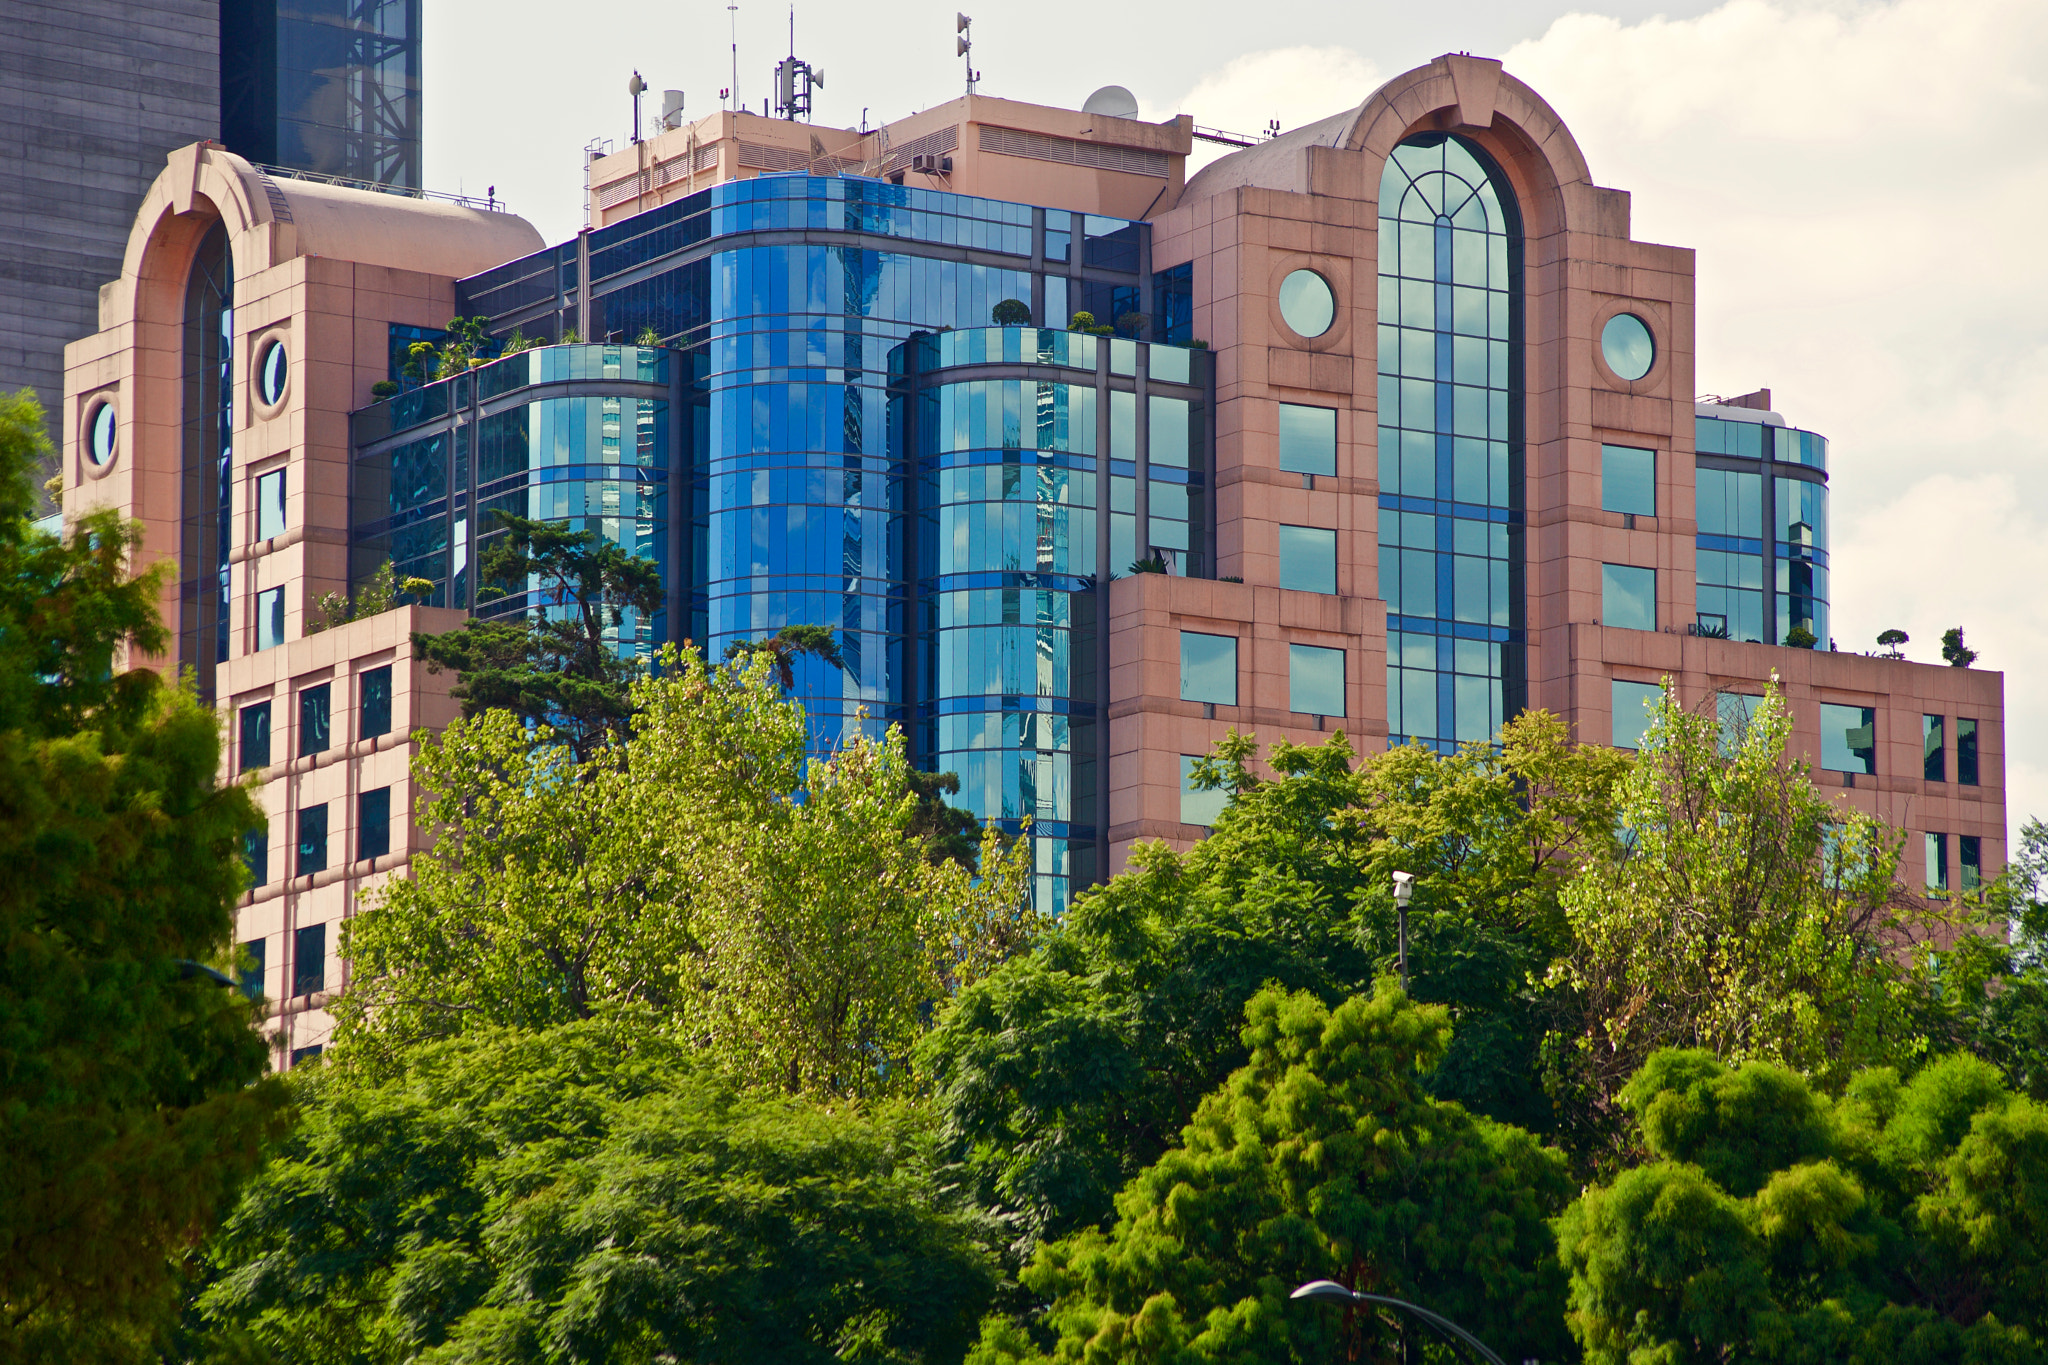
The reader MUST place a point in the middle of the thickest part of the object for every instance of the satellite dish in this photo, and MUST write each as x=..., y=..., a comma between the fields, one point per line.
x=1112, y=101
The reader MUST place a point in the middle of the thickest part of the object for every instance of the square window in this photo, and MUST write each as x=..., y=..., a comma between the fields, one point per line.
x=1966, y=751
x=1308, y=559
x=1628, y=597
x=309, y=959
x=1315, y=680
x=1635, y=705
x=253, y=954
x=376, y=708
x=270, y=505
x=312, y=849
x=316, y=719
x=256, y=854
x=1848, y=738
x=270, y=618
x=1198, y=807
x=1735, y=710
x=1628, y=480
x=1934, y=748
x=1208, y=668
x=373, y=823
x=254, y=748
x=1308, y=439
x=1937, y=863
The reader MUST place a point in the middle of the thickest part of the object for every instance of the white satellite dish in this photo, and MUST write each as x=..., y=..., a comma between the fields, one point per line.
x=1112, y=101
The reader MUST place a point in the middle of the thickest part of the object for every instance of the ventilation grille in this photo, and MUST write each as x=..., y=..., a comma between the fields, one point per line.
x=1045, y=147
x=663, y=173
x=931, y=144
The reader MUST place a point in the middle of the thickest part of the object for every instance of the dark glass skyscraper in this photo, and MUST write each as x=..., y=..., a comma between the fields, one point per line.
x=327, y=86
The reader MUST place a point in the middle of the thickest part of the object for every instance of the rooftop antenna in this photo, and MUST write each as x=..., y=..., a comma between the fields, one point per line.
x=963, y=46
x=795, y=78
x=633, y=88
x=732, y=11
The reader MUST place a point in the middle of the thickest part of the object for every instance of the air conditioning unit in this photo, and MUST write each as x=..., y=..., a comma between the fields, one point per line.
x=927, y=164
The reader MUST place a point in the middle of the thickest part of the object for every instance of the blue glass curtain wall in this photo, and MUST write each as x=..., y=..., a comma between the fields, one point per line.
x=1015, y=431
x=1450, y=451
x=574, y=434
x=1758, y=586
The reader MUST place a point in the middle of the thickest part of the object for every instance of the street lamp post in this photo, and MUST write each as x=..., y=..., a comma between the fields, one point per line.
x=1331, y=1291
x=1404, y=887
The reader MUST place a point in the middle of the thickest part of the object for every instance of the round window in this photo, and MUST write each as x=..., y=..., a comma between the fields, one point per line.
x=100, y=430
x=270, y=373
x=1306, y=303
x=1628, y=348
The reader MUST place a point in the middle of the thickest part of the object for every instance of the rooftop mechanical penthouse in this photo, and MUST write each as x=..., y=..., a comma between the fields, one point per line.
x=1389, y=427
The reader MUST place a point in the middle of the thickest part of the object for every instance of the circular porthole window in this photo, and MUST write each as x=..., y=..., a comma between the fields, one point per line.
x=100, y=430
x=271, y=372
x=1627, y=346
x=1306, y=303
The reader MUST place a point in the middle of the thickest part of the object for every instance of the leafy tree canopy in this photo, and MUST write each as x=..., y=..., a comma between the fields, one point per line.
x=128, y=1098
x=1905, y=1222
x=589, y=1193
x=1323, y=1157
x=556, y=664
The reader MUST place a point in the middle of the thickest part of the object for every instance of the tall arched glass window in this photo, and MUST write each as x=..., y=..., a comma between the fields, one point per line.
x=1450, y=452
x=207, y=487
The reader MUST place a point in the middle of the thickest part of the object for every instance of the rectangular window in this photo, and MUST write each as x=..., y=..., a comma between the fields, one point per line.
x=1937, y=863
x=255, y=737
x=270, y=505
x=1208, y=668
x=1198, y=807
x=270, y=618
x=1735, y=711
x=1166, y=440
x=1308, y=559
x=1966, y=751
x=312, y=849
x=316, y=719
x=309, y=960
x=1848, y=738
x=253, y=954
x=373, y=823
x=1628, y=597
x=1970, y=854
x=1628, y=480
x=1123, y=426
x=256, y=854
x=376, y=709
x=1635, y=707
x=302, y=1055
x=1933, y=749
x=1308, y=439
x=1315, y=680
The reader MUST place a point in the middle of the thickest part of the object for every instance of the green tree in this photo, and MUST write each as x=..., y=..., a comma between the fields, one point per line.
x=786, y=645
x=1322, y=1157
x=588, y=1193
x=130, y=1103
x=556, y=663
x=781, y=912
x=1741, y=912
x=377, y=594
x=1954, y=652
x=1905, y=1222
x=1011, y=313
x=1073, y=1068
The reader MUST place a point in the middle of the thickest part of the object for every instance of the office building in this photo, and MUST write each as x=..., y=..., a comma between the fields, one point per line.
x=1390, y=428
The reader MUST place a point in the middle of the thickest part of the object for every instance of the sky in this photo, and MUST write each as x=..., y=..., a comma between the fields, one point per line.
x=1863, y=181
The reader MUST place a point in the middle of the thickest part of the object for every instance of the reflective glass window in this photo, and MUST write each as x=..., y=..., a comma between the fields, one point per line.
x=1628, y=597
x=270, y=618
x=311, y=854
x=1307, y=304
x=1315, y=680
x=316, y=715
x=1735, y=711
x=1937, y=863
x=376, y=705
x=1170, y=364
x=1934, y=748
x=373, y=823
x=1198, y=807
x=1635, y=707
x=1730, y=503
x=1167, y=440
x=1628, y=480
x=1966, y=751
x=253, y=955
x=1848, y=738
x=309, y=959
x=1970, y=855
x=1308, y=559
x=1308, y=439
x=1208, y=668
x=256, y=853
x=270, y=505
x=255, y=736
x=1123, y=426
x=1627, y=346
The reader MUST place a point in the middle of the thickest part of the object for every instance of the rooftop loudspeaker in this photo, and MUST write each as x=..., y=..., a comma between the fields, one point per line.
x=1112, y=101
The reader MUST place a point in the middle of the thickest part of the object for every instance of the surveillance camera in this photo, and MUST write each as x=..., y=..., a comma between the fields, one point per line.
x=1404, y=886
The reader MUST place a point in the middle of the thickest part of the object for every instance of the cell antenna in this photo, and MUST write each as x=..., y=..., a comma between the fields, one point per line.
x=732, y=13
x=634, y=87
x=963, y=46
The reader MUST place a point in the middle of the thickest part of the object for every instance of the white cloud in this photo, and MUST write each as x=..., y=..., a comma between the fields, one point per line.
x=1295, y=85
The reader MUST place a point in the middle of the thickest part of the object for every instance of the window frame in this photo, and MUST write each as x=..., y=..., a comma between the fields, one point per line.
x=1325, y=539
x=1186, y=682
x=1610, y=593
x=1295, y=658
x=1610, y=495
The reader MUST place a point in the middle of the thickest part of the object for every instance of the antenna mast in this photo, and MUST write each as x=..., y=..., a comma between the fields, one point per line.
x=963, y=46
x=732, y=11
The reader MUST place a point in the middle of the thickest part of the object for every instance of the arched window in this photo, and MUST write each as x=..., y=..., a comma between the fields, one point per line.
x=207, y=487
x=1450, y=453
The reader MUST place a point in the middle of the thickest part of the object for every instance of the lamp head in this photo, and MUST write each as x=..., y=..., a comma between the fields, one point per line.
x=1324, y=1289
x=1404, y=887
